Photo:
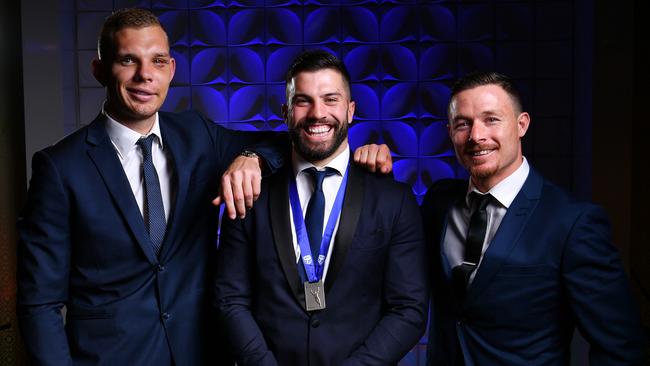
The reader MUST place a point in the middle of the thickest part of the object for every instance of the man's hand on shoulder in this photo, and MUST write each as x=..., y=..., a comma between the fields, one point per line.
x=374, y=158
x=240, y=185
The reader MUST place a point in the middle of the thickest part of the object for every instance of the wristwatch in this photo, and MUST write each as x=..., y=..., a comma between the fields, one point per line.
x=249, y=154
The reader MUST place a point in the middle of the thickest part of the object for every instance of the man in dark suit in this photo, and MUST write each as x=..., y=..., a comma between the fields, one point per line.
x=286, y=294
x=517, y=263
x=134, y=289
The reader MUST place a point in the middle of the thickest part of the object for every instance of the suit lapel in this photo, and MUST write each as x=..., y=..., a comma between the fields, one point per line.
x=507, y=234
x=177, y=154
x=281, y=227
x=104, y=156
x=347, y=224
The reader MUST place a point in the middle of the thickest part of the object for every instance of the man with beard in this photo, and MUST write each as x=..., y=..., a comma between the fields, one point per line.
x=329, y=266
x=517, y=263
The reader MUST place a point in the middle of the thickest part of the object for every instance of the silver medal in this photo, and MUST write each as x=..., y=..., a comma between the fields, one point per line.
x=314, y=296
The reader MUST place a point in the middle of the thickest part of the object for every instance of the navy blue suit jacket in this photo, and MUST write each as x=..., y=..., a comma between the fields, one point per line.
x=376, y=285
x=551, y=267
x=83, y=244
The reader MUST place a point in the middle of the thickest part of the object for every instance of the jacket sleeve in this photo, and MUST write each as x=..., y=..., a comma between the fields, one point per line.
x=233, y=296
x=599, y=293
x=405, y=294
x=273, y=147
x=44, y=265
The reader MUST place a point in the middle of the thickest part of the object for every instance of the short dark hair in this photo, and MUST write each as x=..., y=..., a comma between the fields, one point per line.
x=481, y=78
x=314, y=60
x=120, y=19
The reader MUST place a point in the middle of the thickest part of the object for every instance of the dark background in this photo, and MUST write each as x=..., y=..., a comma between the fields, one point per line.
x=580, y=65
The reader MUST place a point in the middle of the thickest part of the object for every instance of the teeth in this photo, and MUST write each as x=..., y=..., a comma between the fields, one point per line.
x=317, y=130
x=482, y=152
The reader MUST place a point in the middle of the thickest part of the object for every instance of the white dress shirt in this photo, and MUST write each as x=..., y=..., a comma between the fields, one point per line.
x=305, y=187
x=458, y=224
x=124, y=140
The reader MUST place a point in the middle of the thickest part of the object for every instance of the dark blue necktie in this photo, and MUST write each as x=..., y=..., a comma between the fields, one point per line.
x=473, y=243
x=154, y=211
x=316, y=209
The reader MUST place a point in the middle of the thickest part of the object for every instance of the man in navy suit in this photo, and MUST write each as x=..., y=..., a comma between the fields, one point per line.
x=359, y=298
x=128, y=261
x=517, y=263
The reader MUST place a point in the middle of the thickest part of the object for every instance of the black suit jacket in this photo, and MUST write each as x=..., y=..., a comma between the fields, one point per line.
x=376, y=285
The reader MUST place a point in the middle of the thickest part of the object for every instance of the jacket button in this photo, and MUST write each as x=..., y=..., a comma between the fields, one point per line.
x=166, y=316
x=315, y=323
x=160, y=268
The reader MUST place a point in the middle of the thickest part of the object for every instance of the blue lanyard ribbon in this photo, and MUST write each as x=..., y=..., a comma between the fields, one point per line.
x=314, y=270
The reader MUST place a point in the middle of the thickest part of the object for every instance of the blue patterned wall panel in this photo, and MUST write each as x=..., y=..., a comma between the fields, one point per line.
x=232, y=57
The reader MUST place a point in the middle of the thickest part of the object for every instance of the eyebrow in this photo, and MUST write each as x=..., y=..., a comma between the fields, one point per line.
x=131, y=54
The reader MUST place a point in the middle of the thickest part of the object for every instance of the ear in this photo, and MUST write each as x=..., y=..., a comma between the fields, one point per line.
x=351, y=108
x=523, y=121
x=172, y=67
x=285, y=112
x=99, y=71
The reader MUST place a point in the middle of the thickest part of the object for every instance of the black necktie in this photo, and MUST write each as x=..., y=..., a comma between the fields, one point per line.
x=316, y=210
x=473, y=244
x=154, y=211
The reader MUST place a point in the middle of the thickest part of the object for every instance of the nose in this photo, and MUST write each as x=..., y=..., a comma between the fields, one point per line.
x=477, y=132
x=317, y=111
x=144, y=71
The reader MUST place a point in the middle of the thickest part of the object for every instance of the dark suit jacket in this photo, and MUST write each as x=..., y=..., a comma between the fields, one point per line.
x=550, y=267
x=376, y=286
x=83, y=244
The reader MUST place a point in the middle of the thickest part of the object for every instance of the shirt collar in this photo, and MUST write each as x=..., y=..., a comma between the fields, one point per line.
x=506, y=190
x=339, y=163
x=124, y=139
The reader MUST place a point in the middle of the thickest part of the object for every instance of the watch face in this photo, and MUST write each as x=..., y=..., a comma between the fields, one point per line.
x=248, y=154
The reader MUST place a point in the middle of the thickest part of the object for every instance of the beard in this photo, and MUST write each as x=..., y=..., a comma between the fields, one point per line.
x=317, y=152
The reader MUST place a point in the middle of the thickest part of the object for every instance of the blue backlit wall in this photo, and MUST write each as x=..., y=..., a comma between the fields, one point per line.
x=403, y=57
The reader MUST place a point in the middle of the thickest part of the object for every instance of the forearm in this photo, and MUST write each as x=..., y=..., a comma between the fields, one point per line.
x=44, y=335
x=599, y=293
x=405, y=294
x=43, y=263
x=233, y=297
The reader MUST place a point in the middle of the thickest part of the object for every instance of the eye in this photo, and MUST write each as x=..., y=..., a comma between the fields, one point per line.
x=460, y=124
x=300, y=101
x=492, y=120
x=127, y=60
x=331, y=100
x=160, y=61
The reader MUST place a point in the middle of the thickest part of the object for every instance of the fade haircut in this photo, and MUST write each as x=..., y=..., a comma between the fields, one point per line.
x=121, y=19
x=481, y=78
x=315, y=60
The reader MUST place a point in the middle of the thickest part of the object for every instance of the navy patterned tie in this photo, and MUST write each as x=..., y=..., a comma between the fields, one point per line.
x=154, y=211
x=316, y=209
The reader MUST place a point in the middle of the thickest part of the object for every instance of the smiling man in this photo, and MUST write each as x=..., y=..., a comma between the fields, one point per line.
x=517, y=263
x=329, y=267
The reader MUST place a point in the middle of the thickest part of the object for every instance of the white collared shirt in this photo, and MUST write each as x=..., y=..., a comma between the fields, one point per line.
x=305, y=187
x=124, y=140
x=458, y=224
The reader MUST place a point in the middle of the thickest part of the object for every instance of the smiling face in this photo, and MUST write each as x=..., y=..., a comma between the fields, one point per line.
x=486, y=132
x=318, y=112
x=137, y=76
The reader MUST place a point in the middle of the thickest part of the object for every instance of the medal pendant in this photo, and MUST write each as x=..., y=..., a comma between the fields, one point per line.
x=314, y=296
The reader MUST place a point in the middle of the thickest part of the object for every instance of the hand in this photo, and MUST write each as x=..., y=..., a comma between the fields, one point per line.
x=240, y=186
x=374, y=157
